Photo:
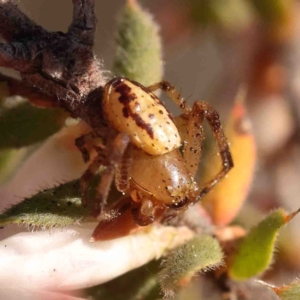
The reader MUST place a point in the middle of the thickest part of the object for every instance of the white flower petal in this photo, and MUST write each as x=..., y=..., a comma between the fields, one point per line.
x=64, y=259
x=56, y=161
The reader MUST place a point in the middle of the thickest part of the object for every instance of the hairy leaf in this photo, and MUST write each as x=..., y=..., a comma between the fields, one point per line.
x=138, y=284
x=138, y=46
x=55, y=207
x=22, y=124
x=286, y=292
x=200, y=254
x=255, y=252
x=10, y=159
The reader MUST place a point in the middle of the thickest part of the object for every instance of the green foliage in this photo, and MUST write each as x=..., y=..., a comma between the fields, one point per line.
x=289, y=292
x=138, y=284
x=200, y=254
x=286, y=292
x=138, y=46
x=9, y=160
x=226, y=13
x=255, y=252
x=236, y=14
x=55, y=207
x=274, y=11
x=22, y=124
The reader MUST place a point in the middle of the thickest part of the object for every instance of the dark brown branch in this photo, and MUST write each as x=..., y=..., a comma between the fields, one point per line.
x=16, y=56
x=61, y=66
x=84, y=21
x=15, y=25
x=17, y=87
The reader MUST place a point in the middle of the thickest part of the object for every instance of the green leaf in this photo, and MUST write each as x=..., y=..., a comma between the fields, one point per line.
x=55, y=207
x=200, y=254
x=138, y=46
x=4, y=91
x=226, y=13
x=22, y=124
x=286, y=292
x=10, y=159
x=255, y=251
x=273, y=11
x=138, y=284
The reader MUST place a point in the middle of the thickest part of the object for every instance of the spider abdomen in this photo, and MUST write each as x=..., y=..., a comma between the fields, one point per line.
x=132, y=109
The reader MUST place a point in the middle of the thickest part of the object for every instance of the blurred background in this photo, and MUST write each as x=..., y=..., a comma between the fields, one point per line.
x=212, y=48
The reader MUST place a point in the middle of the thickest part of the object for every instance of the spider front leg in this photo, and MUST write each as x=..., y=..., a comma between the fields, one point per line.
x=195, y=137
x=81, y=142
x=172, y=93
x=88, y=176
x=110, y=161
x=192, y=133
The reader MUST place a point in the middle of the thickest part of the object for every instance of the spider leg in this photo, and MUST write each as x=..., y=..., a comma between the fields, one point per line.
x=122, y=171
x=119, y=145
x=182, y=120
x=200, y=111
x=191, y=131
x=193, y=136
x=89, y=174
x=172, y=93
x=110, y=162
x=81, y=141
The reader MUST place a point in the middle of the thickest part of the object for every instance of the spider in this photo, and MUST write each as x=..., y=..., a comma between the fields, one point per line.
x=151, y=156
x=140, y=151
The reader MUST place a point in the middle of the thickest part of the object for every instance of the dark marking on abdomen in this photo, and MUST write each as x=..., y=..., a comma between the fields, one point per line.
x=126, y=96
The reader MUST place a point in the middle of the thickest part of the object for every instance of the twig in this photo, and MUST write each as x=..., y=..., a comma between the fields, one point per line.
x=84, y=21
x=17, y=87
x=60, y=65
x=14, y=25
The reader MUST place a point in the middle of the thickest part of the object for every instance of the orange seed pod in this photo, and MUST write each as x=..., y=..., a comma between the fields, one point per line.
x=225, y=200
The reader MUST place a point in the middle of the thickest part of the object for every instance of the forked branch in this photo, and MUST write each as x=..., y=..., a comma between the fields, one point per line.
x=60, y=65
